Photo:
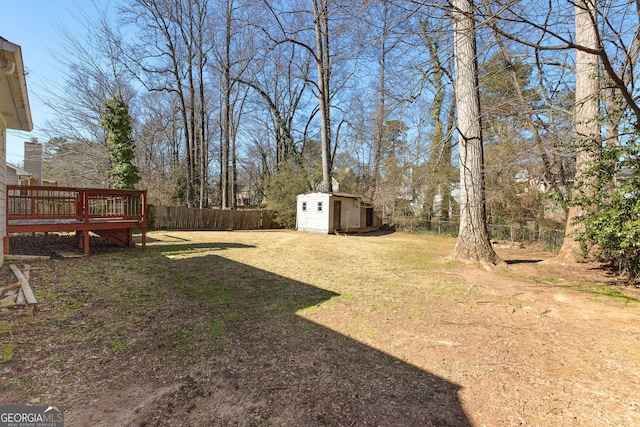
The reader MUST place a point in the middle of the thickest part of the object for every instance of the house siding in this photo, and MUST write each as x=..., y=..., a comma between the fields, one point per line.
x=312, y=221
x=14, y=114
x=11, y=176
x=3, y=188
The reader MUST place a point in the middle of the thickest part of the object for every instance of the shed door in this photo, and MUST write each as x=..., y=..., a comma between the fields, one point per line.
x=369, y=217
x=337, y=212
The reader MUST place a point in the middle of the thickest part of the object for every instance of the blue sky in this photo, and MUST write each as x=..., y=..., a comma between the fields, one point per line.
x=32, y=24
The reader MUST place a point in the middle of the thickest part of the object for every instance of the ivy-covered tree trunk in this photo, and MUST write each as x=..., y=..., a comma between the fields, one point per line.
x=121, y=147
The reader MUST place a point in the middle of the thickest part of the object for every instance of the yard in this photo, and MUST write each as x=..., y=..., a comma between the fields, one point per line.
x=292, y=329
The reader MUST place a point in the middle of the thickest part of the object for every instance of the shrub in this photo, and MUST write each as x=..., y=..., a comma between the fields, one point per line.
x=612, y=218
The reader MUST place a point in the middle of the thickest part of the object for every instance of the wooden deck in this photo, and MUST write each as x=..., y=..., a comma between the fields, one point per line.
x=111, y=214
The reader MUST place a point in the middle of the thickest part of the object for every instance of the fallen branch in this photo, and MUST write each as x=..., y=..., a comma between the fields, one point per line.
x=12, y=286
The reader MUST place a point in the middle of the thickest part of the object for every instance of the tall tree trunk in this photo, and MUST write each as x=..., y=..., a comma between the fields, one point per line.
x=193, y=140
x=321, y=22
x=233, y=185
x=473, y=238
x=226, y=107
x=381, y=114
x=587, y=109
x=204, y=148
x=202, y=103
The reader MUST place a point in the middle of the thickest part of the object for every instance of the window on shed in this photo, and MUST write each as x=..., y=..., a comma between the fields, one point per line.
x=304, y=206
x=319, y=206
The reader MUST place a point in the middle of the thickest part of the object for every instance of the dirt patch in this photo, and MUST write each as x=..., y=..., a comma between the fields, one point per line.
x=285, y=328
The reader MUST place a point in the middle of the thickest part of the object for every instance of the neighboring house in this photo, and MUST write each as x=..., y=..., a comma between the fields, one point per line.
x=248, y=196
x=243, y=197
x=19, y=176
x=327, y=213
x=437, y=208
x=542, y=183
x=15, y=113
x=335, y=185
x=31, y=174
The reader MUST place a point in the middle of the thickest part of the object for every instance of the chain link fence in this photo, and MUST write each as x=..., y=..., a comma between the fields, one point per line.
x=514, y=233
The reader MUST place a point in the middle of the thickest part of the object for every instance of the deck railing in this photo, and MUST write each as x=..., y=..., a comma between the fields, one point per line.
x=79, y=204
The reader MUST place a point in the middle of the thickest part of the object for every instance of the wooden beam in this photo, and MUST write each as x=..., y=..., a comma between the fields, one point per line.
x=85, y=241
x=26, y=289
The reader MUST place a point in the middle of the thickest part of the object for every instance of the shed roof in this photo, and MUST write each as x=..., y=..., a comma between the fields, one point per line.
x=344, y=195
x=347, y=195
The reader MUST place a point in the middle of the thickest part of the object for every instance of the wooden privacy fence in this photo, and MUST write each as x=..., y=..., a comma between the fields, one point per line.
x=184, y=218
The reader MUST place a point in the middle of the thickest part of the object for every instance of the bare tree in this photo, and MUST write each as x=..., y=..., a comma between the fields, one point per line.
x=317, y=42
x=381, y=112
x=169, y=56
x=606, y=40
x=226, y=112
x=92, y=74
x=279, y=79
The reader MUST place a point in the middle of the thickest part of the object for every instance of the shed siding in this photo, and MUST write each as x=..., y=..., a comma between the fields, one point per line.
x=313, y=221
x=350, y=214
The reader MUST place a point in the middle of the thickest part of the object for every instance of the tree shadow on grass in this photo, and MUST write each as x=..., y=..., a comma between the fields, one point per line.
x=523, y=261
x=198, y=247
x=248, y=358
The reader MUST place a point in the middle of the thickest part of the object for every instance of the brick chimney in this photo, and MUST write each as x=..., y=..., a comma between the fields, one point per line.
x=33, y=159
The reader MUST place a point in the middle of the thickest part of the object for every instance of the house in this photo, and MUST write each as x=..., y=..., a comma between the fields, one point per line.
x=318, y=185
x=326, y=213
x=15, y=113
x=31, y=174
x=438, y=209
x=18, y=176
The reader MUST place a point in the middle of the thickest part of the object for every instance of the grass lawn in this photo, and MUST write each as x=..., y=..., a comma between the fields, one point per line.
x=286, y=328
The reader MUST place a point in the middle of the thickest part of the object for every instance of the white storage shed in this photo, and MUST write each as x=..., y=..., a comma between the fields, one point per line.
x=327, y=213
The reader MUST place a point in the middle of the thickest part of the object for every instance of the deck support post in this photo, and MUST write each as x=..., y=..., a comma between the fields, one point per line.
x=82, y=238
x=85, y=241
x=5, y=244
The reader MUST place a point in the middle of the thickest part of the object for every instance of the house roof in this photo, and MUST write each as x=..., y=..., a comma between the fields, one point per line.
x=19, y=171
x=14, y=100
x=625, y=173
